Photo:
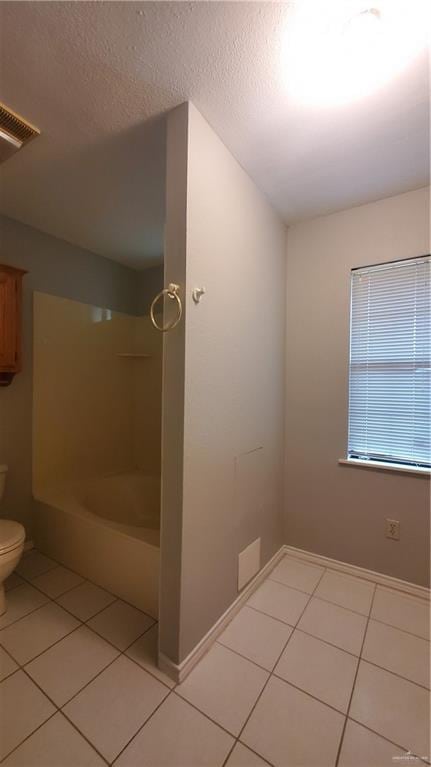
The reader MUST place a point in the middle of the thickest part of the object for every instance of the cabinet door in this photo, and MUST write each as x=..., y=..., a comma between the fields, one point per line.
x=8, y=321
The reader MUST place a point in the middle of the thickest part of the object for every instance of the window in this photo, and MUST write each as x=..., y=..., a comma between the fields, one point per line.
x=390, y=368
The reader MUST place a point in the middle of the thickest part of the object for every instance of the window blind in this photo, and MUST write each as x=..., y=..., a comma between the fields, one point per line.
x=390, y=368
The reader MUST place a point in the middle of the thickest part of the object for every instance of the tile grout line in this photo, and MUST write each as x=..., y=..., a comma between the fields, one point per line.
x=340, y=745
x=30, y=612
x=204, y=713
x=60, y=711
x=364, y=660
x=329, y=644
x=57, y=641
x=322, y=599
x=141, y=727
x=373, y=618
x=397, y=628
x=271, y=673
x=303, y=631
x=6, y=756
x=383, y=737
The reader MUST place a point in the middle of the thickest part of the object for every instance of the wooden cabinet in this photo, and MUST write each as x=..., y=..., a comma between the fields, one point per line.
x=10, y=322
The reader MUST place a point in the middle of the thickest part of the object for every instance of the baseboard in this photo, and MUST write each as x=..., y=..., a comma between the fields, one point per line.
x=28, y=545
x=412, y=589
x=178, y=672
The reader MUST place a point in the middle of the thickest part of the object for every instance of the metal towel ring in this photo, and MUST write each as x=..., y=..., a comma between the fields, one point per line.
x=172, y=292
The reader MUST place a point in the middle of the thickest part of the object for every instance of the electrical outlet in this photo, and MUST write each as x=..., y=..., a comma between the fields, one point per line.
x=393, y=529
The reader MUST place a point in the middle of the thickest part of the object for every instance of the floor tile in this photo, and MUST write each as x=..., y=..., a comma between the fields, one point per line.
x=144, y=652
x=23, y=708
x=177, y=735
x=397, y=651
x=288, y=727
x=7, y=665
x=241, y=756
x=256, y=636
x=318, y=668
x=13, y=581
x=121, y=624
x=86, y=600
x=66, y=667
x=36, y=632
x=34, y=563
x=55, y=744
x=362, y=748
x=402, y=611
x=20, y=602
x=392, y=707
x=299, y=575
x=57, y=581
x=224, y=686
x=343, y=590
x=111, y=709
x=334, y=624
x=279, y=601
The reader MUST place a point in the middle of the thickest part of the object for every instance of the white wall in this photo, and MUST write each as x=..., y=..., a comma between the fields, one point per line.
x=336, y=510
x=234, y=381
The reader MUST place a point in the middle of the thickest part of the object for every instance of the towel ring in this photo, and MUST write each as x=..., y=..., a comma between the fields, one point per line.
x=172, y=292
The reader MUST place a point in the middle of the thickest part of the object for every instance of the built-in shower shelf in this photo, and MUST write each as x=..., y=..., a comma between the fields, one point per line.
x=134, y=355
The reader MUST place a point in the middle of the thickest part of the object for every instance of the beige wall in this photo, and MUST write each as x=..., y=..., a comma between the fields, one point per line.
x=61, y=269
x=234, y=245
x=334, y=510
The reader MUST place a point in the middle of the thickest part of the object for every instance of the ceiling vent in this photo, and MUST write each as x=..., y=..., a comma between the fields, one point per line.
x=14, y=132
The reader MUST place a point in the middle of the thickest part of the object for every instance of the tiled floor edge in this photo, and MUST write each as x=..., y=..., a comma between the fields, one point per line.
x=381, y=579
x=179, y=671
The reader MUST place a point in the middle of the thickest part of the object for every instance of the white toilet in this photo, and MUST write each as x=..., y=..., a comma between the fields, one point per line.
x=12, y=536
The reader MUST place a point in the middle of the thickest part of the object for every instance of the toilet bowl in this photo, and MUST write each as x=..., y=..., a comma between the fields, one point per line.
x=12, y=536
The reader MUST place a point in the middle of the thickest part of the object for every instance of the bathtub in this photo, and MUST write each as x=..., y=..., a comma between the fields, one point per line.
x=108, y=530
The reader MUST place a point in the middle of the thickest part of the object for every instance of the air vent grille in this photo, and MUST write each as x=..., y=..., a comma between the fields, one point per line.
x=16, y=126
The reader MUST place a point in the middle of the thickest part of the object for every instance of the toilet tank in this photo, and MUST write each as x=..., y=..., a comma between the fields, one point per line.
x=3, y=472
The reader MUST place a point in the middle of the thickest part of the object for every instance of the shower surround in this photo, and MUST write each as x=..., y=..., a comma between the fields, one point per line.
x=96, y=444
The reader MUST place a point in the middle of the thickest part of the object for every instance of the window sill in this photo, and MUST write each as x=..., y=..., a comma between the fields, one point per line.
x=380, y=466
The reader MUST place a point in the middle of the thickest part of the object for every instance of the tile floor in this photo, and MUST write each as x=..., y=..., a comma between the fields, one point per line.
x=318, y=669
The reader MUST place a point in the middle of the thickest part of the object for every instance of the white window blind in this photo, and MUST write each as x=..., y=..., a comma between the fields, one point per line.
x=390, y=368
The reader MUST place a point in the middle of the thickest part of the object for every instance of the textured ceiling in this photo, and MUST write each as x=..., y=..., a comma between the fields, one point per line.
x=98, y=78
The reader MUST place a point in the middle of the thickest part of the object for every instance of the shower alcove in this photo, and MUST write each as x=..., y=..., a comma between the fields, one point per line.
x=96, y=444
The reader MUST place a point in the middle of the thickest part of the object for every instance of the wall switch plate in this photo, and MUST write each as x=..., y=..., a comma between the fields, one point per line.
x=393, y=529
x=248, y=563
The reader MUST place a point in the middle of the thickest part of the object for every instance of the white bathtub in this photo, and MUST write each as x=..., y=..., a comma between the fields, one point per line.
x=108, y=530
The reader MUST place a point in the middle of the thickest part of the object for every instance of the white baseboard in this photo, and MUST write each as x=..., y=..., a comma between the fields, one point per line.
x=359, y=572
x=178, y=672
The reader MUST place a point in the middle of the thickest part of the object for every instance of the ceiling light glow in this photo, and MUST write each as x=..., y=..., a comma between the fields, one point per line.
x=340, y=51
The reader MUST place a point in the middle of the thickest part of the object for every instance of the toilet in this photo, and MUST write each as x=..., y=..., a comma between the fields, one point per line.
x=12, y=536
